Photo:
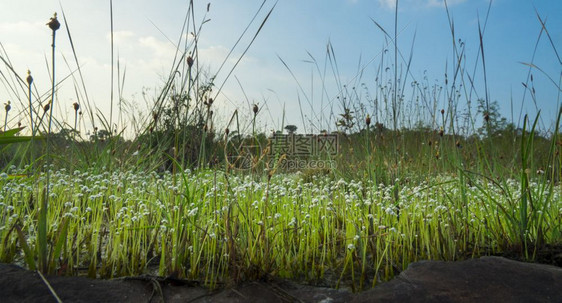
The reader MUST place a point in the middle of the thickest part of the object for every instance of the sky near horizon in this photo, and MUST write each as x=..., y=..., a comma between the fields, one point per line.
x=297, y=34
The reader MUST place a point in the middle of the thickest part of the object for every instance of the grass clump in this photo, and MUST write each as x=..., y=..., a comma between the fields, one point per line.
x=218, y=228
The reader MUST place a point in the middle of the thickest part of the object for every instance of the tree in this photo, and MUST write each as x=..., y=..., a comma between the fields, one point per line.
x=493, y=122
x=100, y=135
x=291, y=129
x=346, y=122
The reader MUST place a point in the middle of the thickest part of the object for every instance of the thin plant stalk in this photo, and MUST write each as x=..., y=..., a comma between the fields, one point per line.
x=29, y=82
x=54, y=25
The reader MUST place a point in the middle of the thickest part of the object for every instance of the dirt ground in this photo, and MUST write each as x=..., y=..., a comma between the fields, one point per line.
x=487, y=279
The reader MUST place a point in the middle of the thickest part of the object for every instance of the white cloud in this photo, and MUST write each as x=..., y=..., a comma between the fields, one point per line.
x=121, y=36
x=20, y=27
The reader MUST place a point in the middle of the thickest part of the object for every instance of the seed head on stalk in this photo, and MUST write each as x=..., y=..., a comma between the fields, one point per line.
x=76, y=109
x=7, y=107
x=47, y=106
x=54, y=23
x=29, y=82
x=29, y=78
x=189, y=61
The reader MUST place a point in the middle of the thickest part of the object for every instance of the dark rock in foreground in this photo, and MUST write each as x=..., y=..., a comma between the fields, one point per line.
x=488, y=279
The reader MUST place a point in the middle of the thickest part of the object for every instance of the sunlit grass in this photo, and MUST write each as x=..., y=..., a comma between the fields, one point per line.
x=215, y=227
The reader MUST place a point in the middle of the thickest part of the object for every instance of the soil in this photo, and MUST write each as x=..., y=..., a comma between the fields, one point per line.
x=487, y=279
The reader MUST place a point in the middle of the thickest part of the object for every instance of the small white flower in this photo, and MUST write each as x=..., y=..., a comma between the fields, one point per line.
x=293, y=222
x=351, y=247
x=192, y=212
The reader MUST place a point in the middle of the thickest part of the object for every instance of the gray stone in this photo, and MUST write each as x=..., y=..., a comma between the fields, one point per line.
x=487, y=279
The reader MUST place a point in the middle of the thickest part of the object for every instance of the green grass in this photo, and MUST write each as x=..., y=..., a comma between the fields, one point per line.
x=221, y=228
x=434, y=186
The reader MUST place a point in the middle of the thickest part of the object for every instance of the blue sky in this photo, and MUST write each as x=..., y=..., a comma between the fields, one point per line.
x=297, y=32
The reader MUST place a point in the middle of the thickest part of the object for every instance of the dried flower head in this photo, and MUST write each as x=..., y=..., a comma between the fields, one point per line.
x=29, y=78
x=54, y=23
x=255, y=109
x=227, y=131
x=7, y=106
x=368, y=120
x=189, y=61
x=47, y=106
x=76, y=106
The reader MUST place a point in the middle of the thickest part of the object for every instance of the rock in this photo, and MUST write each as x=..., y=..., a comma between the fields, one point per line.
x=558, y=259
x=20, y=285
x=487, y=279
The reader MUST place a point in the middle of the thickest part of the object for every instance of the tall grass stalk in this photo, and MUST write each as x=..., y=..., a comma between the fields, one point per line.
x=111, y=91
x=54, y=25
